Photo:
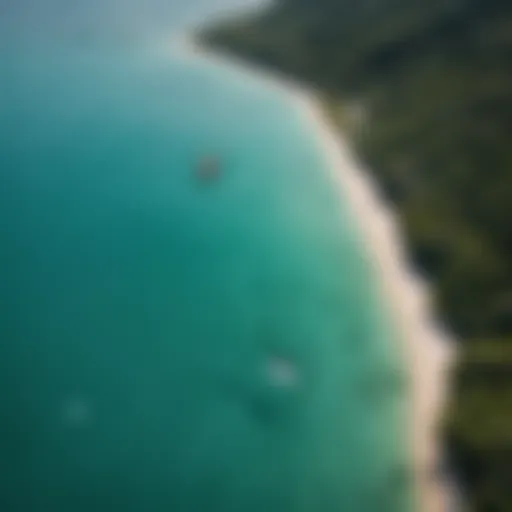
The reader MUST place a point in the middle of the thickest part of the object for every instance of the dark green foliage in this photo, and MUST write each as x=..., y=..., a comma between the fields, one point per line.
x=479, y=424
x=435, y=80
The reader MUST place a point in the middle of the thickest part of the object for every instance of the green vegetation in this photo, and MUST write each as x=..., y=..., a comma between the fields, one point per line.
x=479, y=427
x=434, y=82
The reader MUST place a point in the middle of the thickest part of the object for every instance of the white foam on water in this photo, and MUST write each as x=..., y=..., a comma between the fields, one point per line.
x=282, y=372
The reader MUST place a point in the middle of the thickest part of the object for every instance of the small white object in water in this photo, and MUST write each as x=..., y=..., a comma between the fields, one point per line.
x=282, y=372
x=77, y=412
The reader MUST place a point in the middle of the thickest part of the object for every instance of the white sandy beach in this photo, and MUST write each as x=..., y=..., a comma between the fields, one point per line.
x=428, y=351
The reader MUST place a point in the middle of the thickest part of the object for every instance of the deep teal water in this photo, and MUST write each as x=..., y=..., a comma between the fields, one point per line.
x=138, y=307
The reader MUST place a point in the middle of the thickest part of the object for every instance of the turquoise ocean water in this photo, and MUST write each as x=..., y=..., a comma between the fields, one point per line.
x=139, y=308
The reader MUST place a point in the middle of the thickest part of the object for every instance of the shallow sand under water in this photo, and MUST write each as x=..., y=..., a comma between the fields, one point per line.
x=428, y=351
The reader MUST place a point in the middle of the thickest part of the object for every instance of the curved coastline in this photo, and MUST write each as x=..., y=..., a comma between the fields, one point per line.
x=427, y=350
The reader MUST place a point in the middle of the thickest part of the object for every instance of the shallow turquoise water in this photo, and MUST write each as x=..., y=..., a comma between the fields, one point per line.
x=139, y=307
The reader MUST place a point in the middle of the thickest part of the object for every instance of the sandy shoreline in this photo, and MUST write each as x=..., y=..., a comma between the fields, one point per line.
x=427, y=350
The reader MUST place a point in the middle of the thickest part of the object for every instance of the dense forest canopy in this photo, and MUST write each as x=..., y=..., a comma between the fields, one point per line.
x=435, y=82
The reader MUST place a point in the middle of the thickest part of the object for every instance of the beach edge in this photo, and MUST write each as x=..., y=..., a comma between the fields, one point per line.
x=427, y=349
